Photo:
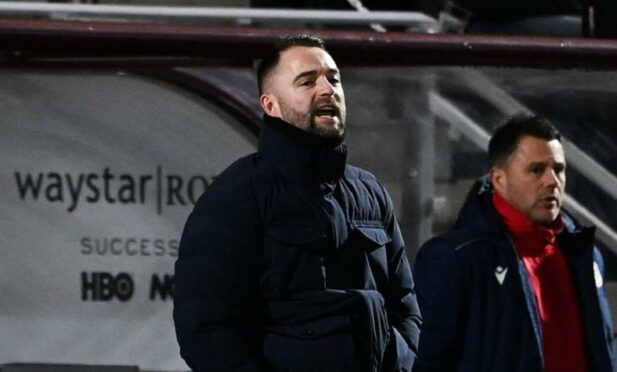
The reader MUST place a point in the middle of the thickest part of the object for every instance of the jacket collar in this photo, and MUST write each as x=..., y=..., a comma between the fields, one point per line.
x=478, y=212
x=300, y=155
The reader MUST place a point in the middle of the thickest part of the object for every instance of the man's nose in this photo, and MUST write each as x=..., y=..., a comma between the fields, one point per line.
x=325, y=88
x=551, y=178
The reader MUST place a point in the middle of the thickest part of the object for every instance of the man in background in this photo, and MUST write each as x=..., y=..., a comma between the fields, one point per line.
x=517, y=284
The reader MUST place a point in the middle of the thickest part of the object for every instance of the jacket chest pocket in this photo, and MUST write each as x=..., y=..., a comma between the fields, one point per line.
x=373, y=237
x=362, y=261
x=294, y=259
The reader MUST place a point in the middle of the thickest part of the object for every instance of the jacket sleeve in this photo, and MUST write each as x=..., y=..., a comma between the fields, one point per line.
x=401, y=303
x=217, y=305
x=609, y=334
x=439, y=285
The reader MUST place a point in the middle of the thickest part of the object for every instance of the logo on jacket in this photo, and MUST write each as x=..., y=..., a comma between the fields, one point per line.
x=597, y=275
x=500, y=274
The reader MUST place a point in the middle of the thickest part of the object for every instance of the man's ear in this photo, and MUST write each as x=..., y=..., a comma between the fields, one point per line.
x=270, y=105
x=499, y=179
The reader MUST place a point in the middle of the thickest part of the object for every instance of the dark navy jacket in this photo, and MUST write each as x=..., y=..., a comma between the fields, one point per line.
x=293, y=261
x=472, y=323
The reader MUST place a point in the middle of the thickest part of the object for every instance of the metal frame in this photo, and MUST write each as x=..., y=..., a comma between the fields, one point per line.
x=29, y=42
x=586, y=165
x=413, y=20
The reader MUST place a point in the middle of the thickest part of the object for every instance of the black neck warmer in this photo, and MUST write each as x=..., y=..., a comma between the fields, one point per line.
x=328, y=155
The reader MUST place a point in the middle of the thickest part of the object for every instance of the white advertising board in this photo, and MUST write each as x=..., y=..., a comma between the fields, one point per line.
x=98, y=172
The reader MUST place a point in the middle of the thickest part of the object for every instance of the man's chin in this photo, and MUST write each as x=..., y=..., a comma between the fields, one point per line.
x=547, y=218
x=338, y=132
x=328, y=127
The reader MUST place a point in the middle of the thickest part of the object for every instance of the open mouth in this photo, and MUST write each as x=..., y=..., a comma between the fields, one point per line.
x=327, y=110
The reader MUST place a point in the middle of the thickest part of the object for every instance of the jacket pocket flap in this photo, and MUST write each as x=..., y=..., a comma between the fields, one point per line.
x=376, y=235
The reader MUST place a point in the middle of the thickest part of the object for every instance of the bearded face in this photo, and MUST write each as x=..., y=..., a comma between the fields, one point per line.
x=305, y=90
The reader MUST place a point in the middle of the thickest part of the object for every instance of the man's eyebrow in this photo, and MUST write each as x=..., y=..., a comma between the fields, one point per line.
x=313, y=73
x=537, y=164
x=305, y=74
x=545, y=164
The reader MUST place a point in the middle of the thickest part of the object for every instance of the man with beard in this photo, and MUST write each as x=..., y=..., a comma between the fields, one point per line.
x=293, y=260
x=517, y=285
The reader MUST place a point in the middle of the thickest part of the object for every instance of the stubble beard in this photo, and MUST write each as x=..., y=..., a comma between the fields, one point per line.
x=307, y=121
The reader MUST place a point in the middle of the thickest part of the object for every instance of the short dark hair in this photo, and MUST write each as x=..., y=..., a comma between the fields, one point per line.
x=506, y=137
x=272, y=56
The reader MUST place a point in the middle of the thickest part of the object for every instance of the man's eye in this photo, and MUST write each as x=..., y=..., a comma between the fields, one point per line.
x=537, y=170
x=306, y=83
x=334, y=81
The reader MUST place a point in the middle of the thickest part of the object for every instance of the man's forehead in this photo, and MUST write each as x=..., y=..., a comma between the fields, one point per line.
x=532, y=149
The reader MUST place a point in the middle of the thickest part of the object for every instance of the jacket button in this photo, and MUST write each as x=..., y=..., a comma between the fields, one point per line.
x=309, y=332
